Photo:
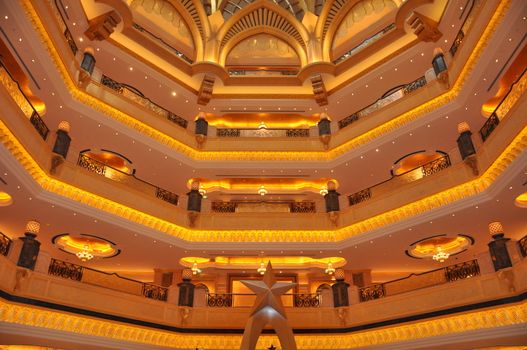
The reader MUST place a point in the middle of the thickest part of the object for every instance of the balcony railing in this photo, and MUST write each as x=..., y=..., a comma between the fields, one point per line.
x=522, y=243
x=261, y=206
x=422, y=280
x=517, y=89
x=137, y=96
x=244, y=300
x=87, y=275
x=262, y=132
x=262, y=71
x=57, y=10
x=18, y=95
x=105, y=170
x=467, y=23
x=424, y=170
x=162, y=42
x=365, y=43
x=389, y=97
x=5, y=244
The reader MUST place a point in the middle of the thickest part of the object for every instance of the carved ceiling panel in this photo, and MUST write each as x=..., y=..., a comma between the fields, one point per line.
x=263, y=49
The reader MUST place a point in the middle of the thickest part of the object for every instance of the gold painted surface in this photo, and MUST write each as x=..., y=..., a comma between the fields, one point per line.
x=451, y=325
x=437, y=200
x=470, y=188
x=449, y=245
x=237, y=262
x=521, y=200
x=191, y=152
x=253, y=120
x=5, y=199
x=15, y=93
x=97, y=247
x=414, y=161
x=271, y=184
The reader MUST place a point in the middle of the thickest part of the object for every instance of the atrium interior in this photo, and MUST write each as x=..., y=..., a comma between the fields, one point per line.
x=155, y=155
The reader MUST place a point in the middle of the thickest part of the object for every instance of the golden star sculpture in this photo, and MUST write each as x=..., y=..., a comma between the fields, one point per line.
x=268, y=309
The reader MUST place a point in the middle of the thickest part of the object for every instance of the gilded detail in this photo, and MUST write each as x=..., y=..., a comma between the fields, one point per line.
x=34, y=317
x=196, y=154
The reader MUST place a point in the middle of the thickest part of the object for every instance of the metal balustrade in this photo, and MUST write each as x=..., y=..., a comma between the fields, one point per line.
x=516, y=90
x=435, y=277
x=414, y=174
x=18, y=95
x=293, y=206
x=100, y=168
x=304, y=300
x=262, y=132
x=138, y=97
x=389, y=97
x=5, y=244
x=522, y=244
x=79, y=273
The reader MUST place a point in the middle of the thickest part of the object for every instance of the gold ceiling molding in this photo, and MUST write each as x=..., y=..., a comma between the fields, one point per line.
x=178, y=146
x=31, y=316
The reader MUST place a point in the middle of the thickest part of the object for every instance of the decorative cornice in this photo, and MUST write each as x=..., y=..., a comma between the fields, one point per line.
x=462, y=191
x=58, y=321
x=288, y=156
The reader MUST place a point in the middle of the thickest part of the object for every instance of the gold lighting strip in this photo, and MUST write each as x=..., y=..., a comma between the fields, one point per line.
x=451, y=325
x=468, y=189
x=332, y=154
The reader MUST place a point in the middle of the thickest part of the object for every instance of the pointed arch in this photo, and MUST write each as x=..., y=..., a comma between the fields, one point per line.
x=263, y=16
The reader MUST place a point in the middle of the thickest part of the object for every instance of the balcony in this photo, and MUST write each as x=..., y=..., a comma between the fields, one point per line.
x=58, y=285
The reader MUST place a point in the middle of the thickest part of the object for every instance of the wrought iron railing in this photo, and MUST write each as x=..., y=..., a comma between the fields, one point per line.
x=307, y=300
x=424, y=170
x=517, y=89
x=294, y=206
x=266, y=71
x=100, y=168
x=138, y=97
x=152, y=291
x=467, y=23
x=365, y=43
x=262, y=132
x=359, y=197
x=522, y=243
x=163, y=42
x=389, y=97
x=219, y=300
x=57, y=10
x=5, y=244
x=78, y=273
x=18, y=95
x=232, y=299
x=489, y=126
x=303, y=207
x=65, y=269
x=223, y=207
x=422, y=280
x=375, y=291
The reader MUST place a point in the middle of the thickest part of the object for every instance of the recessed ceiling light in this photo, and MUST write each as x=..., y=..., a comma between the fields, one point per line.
x=497, y=60
x=376, y=150
x=446, y=41
x=19, y=39
x=186, y=101
x=81, y=39
x=428, y=126
x=5, y=17
x=367, y=85
x=422, y=53
x=98, y=49
x=395, y=69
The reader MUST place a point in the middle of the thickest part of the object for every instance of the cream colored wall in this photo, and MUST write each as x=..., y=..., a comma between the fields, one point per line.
x=491, y=286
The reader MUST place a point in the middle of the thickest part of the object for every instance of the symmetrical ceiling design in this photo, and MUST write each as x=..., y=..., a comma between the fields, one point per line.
x=164, y=53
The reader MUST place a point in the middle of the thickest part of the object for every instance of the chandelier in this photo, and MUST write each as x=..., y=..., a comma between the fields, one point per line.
x=330, y=270
x=84, y=254
x=324, y=190
x=195, y=269
x=261, y=270
x=440, y=255
x=262, y=191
